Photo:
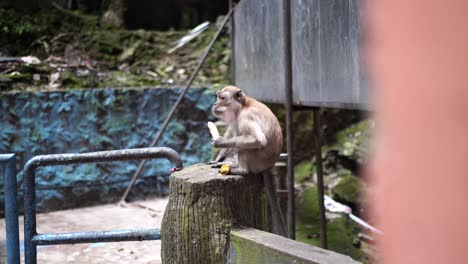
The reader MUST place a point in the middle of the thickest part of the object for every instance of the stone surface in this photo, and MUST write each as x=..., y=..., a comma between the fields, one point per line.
x=97, y=218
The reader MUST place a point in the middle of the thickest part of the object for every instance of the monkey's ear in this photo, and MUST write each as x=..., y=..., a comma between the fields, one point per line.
x=239, y=96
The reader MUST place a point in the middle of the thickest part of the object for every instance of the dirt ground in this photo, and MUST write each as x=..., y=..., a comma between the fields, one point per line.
x=97, y=218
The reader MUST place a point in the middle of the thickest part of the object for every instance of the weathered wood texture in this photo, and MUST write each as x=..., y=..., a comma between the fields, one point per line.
x=203, y=207
x=325, y=41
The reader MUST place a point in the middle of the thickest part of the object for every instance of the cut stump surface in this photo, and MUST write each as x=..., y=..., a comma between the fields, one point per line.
x=203, y=208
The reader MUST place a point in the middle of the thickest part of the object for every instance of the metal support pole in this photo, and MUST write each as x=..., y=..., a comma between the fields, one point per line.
x=288, y=105
x=8, y=162
x=30, y=236
x=318, y=158
x=179, y=100
x=233, y=51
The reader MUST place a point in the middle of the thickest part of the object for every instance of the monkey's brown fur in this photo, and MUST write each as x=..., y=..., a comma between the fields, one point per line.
x=255, y=134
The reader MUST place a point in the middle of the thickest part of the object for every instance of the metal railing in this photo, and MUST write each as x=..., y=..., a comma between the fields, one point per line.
x=32, y=239
x=8, y=162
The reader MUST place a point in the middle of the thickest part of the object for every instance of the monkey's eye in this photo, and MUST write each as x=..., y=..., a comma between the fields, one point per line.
x=222, y=97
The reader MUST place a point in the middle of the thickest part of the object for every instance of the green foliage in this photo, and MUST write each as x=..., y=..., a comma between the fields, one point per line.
x=119, y=58
x=15, y=23
x=20, y=30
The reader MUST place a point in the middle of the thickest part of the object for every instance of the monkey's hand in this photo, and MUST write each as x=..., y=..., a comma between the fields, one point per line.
x=239, y=142
x=224, y=169
x=219, y=142
x=216, y=161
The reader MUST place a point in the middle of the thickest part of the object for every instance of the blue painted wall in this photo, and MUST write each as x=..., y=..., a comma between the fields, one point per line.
x=102, y=119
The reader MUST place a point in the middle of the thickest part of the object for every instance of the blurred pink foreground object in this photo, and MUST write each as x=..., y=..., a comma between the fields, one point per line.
x=417, y=57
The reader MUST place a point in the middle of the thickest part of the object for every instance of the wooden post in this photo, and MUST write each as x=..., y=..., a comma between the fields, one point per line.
x=203, y=208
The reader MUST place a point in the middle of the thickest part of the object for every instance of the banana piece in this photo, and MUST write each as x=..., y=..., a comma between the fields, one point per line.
x=213, y=130
x=225, y=169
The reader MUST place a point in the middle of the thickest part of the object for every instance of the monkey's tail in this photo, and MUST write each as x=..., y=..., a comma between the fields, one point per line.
x=277, y=218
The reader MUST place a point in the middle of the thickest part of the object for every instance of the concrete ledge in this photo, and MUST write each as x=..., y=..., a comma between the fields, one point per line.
x=255, y=246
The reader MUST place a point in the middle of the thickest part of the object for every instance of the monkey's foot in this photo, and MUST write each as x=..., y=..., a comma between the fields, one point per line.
x=217, y=165
x=237, y=170
x=224, y=168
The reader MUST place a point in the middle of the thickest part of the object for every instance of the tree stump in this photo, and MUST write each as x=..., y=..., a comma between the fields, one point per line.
x=203, y=208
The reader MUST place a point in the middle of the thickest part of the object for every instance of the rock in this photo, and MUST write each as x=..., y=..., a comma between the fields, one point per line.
x=348, y=190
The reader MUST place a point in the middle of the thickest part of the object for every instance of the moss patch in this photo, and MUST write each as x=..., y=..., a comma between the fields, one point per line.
x=341, y=231
x=303, y=171
x=307, y=209
x=341, y=234
x=99, y=58
x=348, y=190
x=354, y=138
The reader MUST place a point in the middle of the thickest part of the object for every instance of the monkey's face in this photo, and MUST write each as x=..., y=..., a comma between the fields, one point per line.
x=227, y=106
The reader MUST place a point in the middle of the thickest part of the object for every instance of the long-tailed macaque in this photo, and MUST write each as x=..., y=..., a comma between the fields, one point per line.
x=255, y=134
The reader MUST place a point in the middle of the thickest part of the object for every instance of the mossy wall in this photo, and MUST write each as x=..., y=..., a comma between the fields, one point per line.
x=254, y=246
x=79, y=121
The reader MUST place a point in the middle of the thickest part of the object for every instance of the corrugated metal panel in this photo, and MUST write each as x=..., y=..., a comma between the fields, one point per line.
x=258, y=47
x=325, y=52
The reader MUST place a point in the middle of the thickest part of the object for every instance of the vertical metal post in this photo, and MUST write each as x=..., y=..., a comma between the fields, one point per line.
x=233, y=52
x=8, y=161
x=288, y=105
x=30, y=249
x=318, y=158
